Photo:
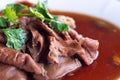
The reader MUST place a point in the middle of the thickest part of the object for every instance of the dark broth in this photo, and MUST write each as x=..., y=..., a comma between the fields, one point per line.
x=104, y=68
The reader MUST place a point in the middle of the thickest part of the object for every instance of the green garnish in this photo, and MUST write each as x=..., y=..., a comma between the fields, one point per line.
x=35, y=13
x=55, y=18
x=12, y=11
x=58, y=26
x=17, y=7
x=10, y=14
x=3, y=22
x=40, y=11
x=15, y=38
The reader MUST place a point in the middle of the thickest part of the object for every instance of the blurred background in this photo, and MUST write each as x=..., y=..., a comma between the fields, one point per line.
x=106, y=9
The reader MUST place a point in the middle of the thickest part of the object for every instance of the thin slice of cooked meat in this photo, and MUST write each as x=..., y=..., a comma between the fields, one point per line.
x=24, y=21
x=66, y=65
x=8, y=72
x=89, y=44
x=20, y=60
x=91, y=47
x=69, y=48
x=74, y=34
x=39, y=25
x=35, y=46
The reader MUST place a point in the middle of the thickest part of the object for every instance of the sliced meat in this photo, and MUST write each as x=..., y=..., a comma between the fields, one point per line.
x=69, y=48
x=74, y=34
x=24, y=21
x=91, y=47
x=66, y=65
x=56, y=50
x=35, y=46
x=20, y=60
x=42, y=26
x=8, y=72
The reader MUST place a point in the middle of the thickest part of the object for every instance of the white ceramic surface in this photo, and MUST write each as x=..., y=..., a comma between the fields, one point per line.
x=106, y=9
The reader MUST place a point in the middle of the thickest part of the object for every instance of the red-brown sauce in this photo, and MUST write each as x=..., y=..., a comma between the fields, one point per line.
x=104, y=68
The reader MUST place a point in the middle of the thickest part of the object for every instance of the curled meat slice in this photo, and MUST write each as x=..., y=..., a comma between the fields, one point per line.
x=91, y=47
x=55, y=71
x=8, y=72
x=20, y=60
x=42, y=26
x=35, y=46
x=70, y=48
x=66, y=65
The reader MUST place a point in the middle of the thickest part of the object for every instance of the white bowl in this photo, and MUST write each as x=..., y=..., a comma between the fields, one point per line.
x=106, y=9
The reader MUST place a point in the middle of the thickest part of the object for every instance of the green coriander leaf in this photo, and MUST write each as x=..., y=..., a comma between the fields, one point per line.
x=41, y=8
x=17, y=7
x=10, y=14
x=3, y=22
x=58, y=26
x=55, y=18
x=40, y=11
x=15, y=38
x=35, y=13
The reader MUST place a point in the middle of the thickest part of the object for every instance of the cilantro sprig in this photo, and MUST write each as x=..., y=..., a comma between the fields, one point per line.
x=12, y=10
x=58, y=26
x=15, y=38
x=3, y=22
x=40, y=11
x=10, y=15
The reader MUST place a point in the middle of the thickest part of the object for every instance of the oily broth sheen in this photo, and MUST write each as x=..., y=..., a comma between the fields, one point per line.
x=104, y=68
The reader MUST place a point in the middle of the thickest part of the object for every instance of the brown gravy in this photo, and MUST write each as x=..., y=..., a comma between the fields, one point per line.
x=104, y=68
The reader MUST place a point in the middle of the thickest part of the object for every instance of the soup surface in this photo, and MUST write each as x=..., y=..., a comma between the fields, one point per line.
x=107, y=65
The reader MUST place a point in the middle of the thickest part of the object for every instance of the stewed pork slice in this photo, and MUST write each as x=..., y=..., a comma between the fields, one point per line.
x=35, y=45
x=8, y=72
x=90, y=45
x=55, y=71
x=69, y=48
x=47, y=30
x=20, y=60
